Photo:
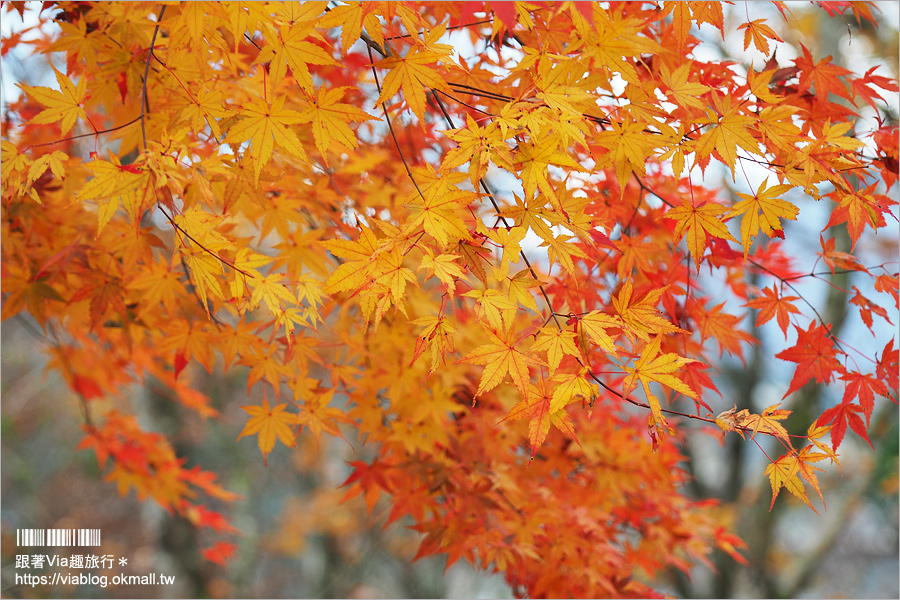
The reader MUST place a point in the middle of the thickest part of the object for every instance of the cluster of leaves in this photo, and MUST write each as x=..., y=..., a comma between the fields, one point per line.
x=322, y=193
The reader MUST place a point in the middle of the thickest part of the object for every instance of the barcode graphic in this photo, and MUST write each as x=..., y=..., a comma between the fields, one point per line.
x=57, y=537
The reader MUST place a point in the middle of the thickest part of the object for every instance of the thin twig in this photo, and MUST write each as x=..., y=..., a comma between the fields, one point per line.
x=144, y=100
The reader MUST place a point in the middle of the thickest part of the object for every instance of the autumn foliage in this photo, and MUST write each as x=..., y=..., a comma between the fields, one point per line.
x=475, y=235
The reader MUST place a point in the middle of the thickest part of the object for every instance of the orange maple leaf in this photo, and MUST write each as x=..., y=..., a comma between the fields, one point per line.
x=771, y=304
x=535, y=406
x=760, y=34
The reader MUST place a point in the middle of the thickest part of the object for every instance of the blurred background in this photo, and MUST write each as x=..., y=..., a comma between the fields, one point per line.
x=299, y=540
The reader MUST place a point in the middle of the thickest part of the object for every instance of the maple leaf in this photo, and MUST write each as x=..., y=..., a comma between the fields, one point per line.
x=291, y=48
x=264, y=126
x=317, y=417
x=331, y=118
x=682, y=91
x=414, y=73
x=271, y=290
x=478, y=146
x=63, y=105
x=438, y=335
x=595, y=325
x=839, y=417
x=724, y=328
x=837, y=259
x=731, y=130
x=629, y=147
x=500, y=358
x=641, y=317
x=862, y=87
x=649, y=368
x=788, y=470
x=570, y=387
x=206, y=106
x=762, y=211
x=534, y=158
x=772, y=304
x=863, y=387
x=535, y=406
x=270, y=424
x=494, y=307
x=444, y=268
x=824, y=75
x=557, y=343
x=510, y=240
x=767, y=422
x=858, y=210
x=698, y=223
x=219, y=553
x=355, y=271
x=111, y=183
x=815, y=356
x=246, y=262
x=760, y=34
x=518, y=289
x=438, y=210
x=867, y=307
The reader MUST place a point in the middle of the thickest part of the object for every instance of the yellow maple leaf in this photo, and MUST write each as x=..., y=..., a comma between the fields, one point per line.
x=649, y=368
x=290, y=48
x=682, y=91
x=270, y=290
x=510, y=240
x=270, y=424
x=731, y=129
x=439, y=208
x=698, y=223
x=478, y=146
x=500, y=358
x=767, y=422
x=443, y=267
x=557, y=343
x=264, y=126
x=535, y=406
x=317, y=417
x=354, y=272
x=439, y=335
x=570, y=387
x=534, y=158
x=330, y=120
x=594, y=325
x=62, y=105
x=112, y=182
x=494, y=307
x=206, y=106
x=518, y=289
x=413, y=73
x=762, y=211
x=641, y=316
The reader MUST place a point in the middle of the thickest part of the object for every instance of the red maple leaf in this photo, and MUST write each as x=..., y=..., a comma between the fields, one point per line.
x=814, y=354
